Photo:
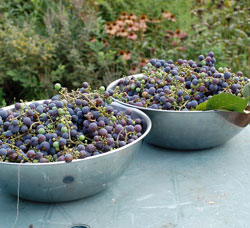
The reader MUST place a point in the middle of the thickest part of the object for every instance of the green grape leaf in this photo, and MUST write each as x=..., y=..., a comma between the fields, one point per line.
x=227, y=101
x=246, y=92
x=202, y=106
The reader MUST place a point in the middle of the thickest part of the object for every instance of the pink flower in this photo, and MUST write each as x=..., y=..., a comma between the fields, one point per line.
x=182, y=48
x=174, y=43
x=132, y=36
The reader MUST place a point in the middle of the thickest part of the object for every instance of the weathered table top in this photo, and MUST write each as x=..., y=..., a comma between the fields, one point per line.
x=160, y=189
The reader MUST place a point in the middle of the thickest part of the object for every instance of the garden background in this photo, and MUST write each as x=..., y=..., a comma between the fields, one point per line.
x=70, y=41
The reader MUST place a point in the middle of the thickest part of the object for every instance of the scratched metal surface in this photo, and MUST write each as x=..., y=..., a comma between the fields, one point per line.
x=160, y=189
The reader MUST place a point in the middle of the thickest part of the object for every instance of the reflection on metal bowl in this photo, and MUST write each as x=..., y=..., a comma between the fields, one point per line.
x=191, y=130
x=60, y=181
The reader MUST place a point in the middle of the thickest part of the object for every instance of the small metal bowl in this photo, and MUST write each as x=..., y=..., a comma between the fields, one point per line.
x=60, y=181
x=190, y=130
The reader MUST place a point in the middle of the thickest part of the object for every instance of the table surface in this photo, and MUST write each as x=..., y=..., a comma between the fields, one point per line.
x=160, y=189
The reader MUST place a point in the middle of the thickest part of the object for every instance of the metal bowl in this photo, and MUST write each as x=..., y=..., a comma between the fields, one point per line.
x=190, y=130
x=60, y=181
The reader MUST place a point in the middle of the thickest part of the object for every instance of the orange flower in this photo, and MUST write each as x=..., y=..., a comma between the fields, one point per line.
x=132, y=27
x=169, y=16
x=111, y=30
x=174, y=43
x=169, y=34
x=126, y=55
x=124, y=13
x=180, y=35
x=182, y=48
x=178, y=31
x=143, y=17
x=154, y=20
x=142, y=26
x=183, y=36
x=133, y=70
x=132, y=17
x=92, y=39
x=127, y=25
x=121, y=52
x=105, y=42
x=132, y=36
x=127, y=21
x=120, y=22
x=122, y=33
x=143, y=62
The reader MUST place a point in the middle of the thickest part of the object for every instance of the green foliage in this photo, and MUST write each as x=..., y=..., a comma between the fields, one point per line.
x=111, y=9
x=43, y=42
x=224, y=28
x=26, y=62
x=60, y=50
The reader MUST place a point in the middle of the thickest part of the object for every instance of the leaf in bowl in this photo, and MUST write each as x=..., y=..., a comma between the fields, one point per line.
x=202, y=106
x=224, y=101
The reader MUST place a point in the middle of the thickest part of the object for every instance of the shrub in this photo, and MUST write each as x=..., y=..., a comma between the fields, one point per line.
x=26, y=63
x=223, y=27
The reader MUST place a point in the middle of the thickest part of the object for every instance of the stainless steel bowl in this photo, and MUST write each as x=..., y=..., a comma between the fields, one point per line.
x=190, y=130
x=60, y=181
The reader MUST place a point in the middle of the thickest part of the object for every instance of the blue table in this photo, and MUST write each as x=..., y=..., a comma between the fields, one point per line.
x=160, y=189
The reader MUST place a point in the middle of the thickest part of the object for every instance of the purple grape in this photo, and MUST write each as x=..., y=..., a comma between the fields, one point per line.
x=93, y=127
x=45, y=146
x=27, y=121
x=138, y=128
x=118, y=128
x=3, y=152
x=68, y=158
x=103, y=132
x=31, y=154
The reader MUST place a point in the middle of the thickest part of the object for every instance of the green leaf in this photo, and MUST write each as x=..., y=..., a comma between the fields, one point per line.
x=202, y=106
x=227, y=101
x=11, y=73
x=246, y=92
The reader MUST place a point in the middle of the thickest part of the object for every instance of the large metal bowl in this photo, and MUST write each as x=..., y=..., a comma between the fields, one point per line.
x=60, y=181
x=190, y=130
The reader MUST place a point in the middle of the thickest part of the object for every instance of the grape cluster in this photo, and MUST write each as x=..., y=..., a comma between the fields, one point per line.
x=180, y=86
x=72, y=125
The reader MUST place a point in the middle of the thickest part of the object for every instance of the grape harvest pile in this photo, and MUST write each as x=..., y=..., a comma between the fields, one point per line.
x=72, y=125
x=181, y=86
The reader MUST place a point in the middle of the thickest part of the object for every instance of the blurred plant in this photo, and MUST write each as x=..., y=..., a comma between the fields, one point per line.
x=223, y=27
x=132, y=36
x=69, y=48
x=26, y=63
x=42, y=42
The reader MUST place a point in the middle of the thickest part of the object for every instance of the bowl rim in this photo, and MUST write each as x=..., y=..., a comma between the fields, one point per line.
x=114, y=83
x=147, y=130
